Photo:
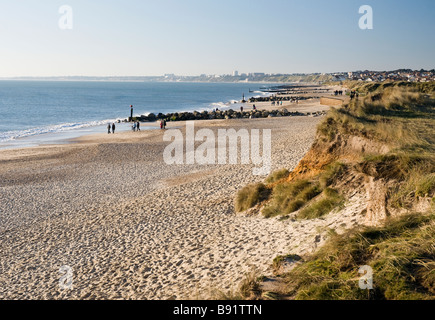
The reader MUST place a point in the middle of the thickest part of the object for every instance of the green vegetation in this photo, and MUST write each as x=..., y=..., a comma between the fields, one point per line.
x=249, y=289
x=250, y=286
x=401, y=254
x=402, y=119
x=370, y=87
x=280, y=260
x=277, y=176
x=290, y=197
x=394, y=165
x=387, y=136
x=425, y=186
x=332, y=173
x=331, y=199
x=393, y=116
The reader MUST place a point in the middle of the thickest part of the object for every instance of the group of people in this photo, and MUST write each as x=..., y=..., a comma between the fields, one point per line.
x=111, y=128
x=136, y=126
x=278, y=103
x=338, y=92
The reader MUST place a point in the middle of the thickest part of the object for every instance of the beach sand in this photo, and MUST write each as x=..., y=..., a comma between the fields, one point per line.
x=131, y=226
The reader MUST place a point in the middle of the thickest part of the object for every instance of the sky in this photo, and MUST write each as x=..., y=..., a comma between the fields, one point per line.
x=192, y=37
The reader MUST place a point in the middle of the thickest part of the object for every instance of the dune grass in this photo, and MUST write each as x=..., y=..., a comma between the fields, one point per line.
x=395, y=115
x=249, y=289
x=396, y=166
x=290, y=196
x=372, y=87
x=425, y=186
x=277, y=176
x=332, y=173
x=401, y=254
x=280, y=260
x=402, y=118
x=330, y=200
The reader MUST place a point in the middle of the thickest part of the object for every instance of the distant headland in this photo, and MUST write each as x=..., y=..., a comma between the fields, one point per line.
x=366, y=75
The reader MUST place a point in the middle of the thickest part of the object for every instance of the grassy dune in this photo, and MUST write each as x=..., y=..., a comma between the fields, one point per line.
x=401, y=254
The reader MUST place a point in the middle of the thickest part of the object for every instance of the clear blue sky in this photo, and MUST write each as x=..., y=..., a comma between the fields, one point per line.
x=142, y=37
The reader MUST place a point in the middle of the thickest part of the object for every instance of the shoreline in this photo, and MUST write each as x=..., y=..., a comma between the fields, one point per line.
x=66, y=128
x=64, y=137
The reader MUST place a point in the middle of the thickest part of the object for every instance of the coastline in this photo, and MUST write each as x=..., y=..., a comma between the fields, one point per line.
x=78, y=105
x=65, y=137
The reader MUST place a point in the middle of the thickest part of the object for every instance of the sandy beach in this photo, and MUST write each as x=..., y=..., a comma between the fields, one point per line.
x=218, y=157
x=132, y=227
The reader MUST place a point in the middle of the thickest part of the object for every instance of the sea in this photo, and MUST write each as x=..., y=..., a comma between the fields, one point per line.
x=46, y=112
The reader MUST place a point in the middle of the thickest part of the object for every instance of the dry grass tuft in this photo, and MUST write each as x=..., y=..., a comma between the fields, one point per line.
x=402, y=255
x=290, y=196
x=250, y=196
x=278, y=175
x=330, y=200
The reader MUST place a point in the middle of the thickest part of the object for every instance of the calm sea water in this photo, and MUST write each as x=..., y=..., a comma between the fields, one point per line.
x=34, y=108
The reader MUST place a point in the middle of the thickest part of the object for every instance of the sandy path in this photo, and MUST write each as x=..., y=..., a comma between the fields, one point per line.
x=132, y=227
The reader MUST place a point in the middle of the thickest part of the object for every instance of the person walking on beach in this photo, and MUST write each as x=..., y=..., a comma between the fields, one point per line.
x=161, y=124
x=164, y=124
x=134, y=127
x=108, y=128
x=138, y=126
x=113, y=128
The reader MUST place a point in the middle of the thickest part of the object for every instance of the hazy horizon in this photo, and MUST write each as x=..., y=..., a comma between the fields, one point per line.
x=136, y=38
x=199, y=75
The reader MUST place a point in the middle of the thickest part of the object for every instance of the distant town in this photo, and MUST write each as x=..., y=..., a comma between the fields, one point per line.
x=318, y=78
x=397, y=75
